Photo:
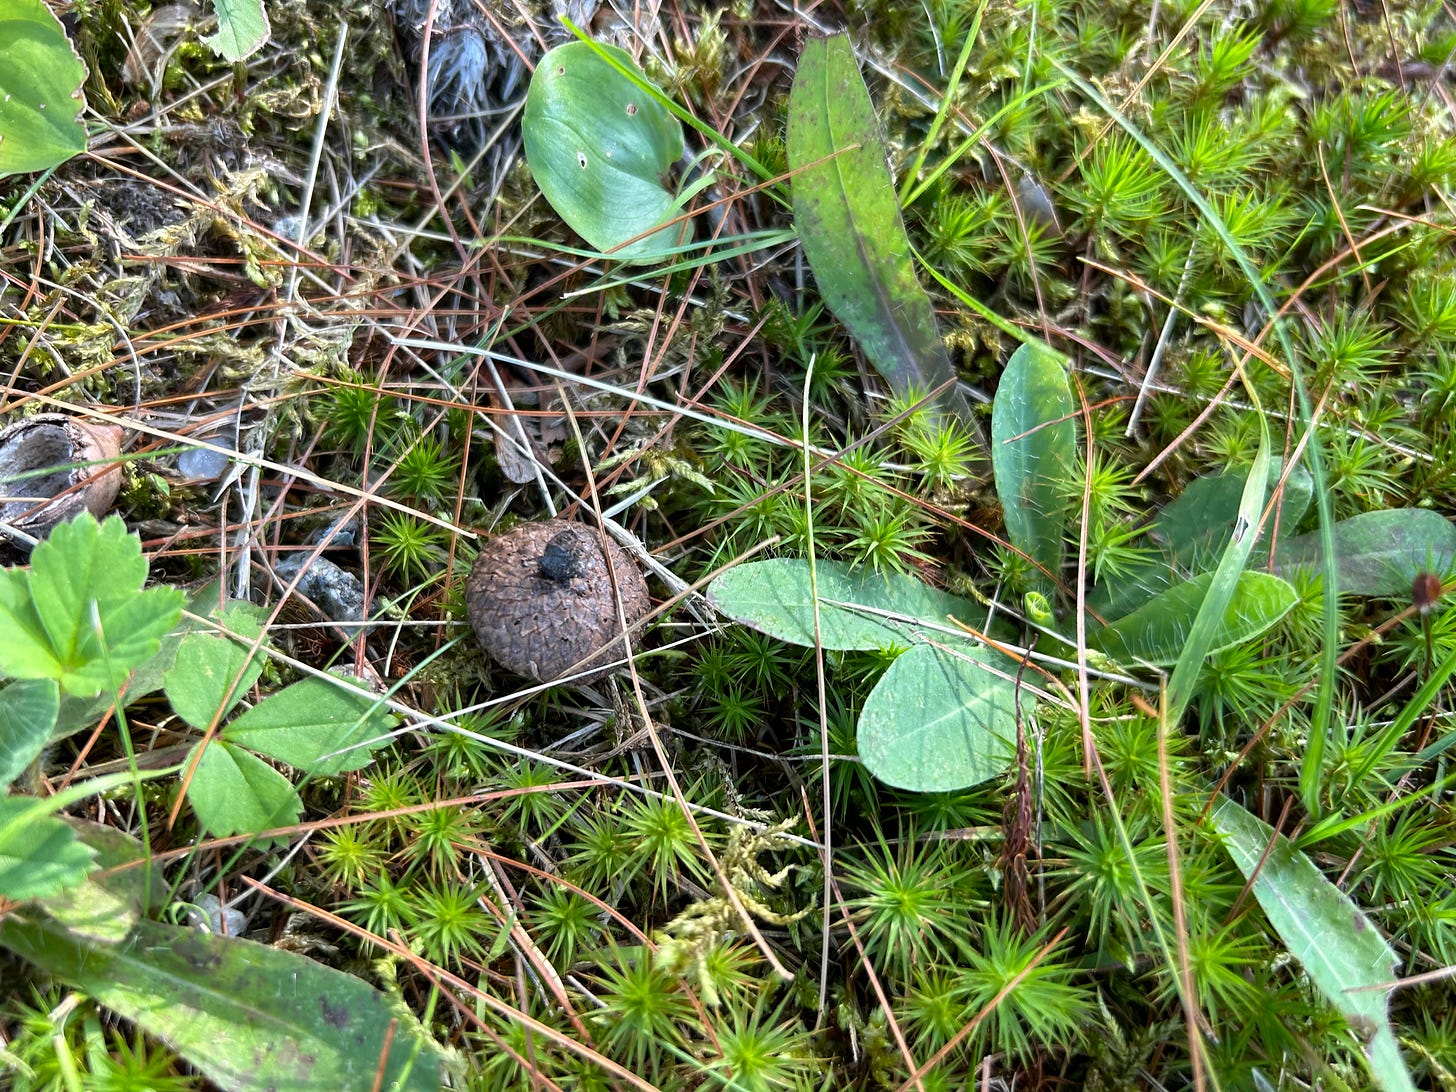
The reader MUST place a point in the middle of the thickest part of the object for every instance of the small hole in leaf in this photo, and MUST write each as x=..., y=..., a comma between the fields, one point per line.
x=561, y=70
x=581, y=160
x=631, y=109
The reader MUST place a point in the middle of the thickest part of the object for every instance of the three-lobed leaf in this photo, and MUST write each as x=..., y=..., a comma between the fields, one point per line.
x=81, y=616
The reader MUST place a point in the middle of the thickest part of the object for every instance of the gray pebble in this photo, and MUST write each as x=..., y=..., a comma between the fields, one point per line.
x=337, y=592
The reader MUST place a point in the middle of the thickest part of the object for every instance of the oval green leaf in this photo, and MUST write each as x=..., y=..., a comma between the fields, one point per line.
x=1157, y=632
x=939, y=721
x=1033, y=452
x=857, y=609
x=40, y=90
x=1192, y=530
x=602, y=150
x=1378, y=553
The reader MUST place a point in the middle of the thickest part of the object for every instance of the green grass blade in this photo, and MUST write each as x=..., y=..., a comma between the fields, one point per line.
x=1343, y=954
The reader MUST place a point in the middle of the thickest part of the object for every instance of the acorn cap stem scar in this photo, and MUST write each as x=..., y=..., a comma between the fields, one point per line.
x=541, y=601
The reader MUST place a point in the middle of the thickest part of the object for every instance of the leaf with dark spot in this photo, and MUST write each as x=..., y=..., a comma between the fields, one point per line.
x=248, y=1016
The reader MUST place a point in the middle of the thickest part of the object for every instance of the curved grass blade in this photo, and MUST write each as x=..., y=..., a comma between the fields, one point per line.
x=1191, y=532
x=850, y=226
x=1180, y=686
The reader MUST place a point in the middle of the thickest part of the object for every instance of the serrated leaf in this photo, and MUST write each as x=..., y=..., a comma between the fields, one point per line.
x=938, y=722
x=250, y=1017
x=603, y=150
x=857, y=609
x=242, y=28
x=1033, y=452
x=40, y=90
x=209, y=676
x=39, y=854
x=234, y=792
x=1157, y=632
x=28, y=710
x=78, y=713
x=849, y=223
x=303, y=723
x=25, y=647
x=1341, y=951
x=1378, y=553
x=88, y=576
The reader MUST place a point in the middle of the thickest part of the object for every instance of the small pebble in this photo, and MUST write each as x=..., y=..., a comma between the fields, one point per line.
x=208, y=914
x=202, y=464
x=337, y=592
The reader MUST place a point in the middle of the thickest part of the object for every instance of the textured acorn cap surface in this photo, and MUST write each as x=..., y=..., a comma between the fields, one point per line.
x=541, y=600
x=60, y=444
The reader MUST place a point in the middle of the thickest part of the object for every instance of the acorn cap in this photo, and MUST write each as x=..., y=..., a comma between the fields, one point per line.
x=541, y=600
x=63, y=446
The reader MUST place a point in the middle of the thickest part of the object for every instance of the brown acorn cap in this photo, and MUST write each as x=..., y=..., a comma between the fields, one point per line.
x=541, y=601
x=62, y=445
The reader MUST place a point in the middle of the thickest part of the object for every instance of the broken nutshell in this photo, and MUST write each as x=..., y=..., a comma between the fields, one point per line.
x=52, y=468
x=542, y=603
